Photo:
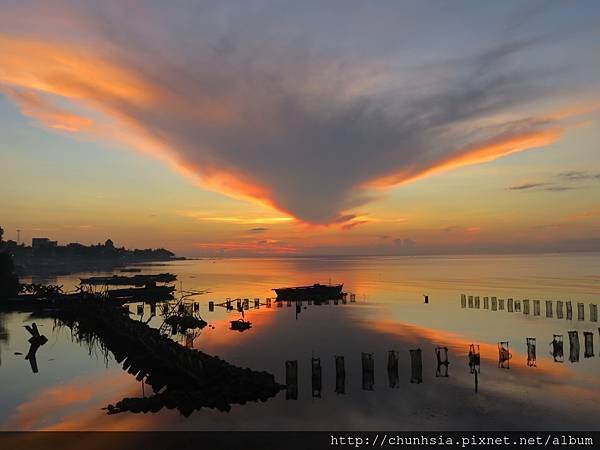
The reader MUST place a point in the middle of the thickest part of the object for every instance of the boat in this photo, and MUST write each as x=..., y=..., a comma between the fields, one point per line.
x=240, y=325
x=144, y=293
x=318, y=292
x=135, y=280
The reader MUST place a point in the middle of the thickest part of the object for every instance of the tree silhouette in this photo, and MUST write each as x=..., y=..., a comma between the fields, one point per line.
x=9, y=283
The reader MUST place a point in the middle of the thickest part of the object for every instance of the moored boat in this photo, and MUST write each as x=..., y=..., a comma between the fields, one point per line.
x=144, y=293
x=316, y=292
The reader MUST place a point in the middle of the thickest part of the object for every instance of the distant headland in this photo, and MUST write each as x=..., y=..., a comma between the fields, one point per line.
x=47, y=256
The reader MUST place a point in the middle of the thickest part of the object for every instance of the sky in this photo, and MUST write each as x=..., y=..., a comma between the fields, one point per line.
x=302, y=128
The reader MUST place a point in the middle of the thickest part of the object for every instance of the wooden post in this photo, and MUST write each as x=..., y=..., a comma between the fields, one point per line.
x=573, y=346
x=549, y=308
x=588, y=344
x=392, y=369
x=340, y=375
x=504, y=355
x=416, y=366
x=557, y=348
x=316, y=377
x=368, y=371
x=531, y=352
x=559, y=309
x=441, y=354
x=580, y=312
x=593, y=312
x=291, y=380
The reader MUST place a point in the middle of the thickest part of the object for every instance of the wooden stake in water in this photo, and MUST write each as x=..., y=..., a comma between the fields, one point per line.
x=416, y=366
x=557, y=348
x=504, y=355
x=340, y=375
x=573, y=346
x=368, y=371
x=291, y=380
x=392, y=369
x=531, y=352
x=548, y=308
x=593, y=312
x=559, y=309
x=580, y=311
x=588, y=344
x=316, y=377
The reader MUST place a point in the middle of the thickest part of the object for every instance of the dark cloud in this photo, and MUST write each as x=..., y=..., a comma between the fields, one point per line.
x=569, y=180
x=258, y=230
x=256, y=110
x=578, y=175
x=527, y=186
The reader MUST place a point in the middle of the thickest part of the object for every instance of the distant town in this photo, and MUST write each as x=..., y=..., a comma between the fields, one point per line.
x=46, y=255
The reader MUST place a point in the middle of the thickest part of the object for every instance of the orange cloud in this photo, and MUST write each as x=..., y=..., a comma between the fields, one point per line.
x=35, y=106
x=487, y=151
x=236, y=131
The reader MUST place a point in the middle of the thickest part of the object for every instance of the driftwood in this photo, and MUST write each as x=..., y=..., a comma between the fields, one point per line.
x=35, y=342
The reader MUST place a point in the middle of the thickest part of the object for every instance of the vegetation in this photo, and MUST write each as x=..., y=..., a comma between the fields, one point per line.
x=9, y=282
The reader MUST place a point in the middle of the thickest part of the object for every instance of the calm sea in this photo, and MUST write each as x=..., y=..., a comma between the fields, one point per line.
x=74, y=382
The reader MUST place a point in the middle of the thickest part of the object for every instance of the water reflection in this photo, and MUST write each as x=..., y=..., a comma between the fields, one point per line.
x=394, y=317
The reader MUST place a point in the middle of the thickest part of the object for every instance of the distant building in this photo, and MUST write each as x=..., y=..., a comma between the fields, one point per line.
x=38, y=243
x=109, y=244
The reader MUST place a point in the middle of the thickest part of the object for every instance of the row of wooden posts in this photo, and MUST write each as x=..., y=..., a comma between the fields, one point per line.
x=368, y=371
x=563, y=309
x=442, y=362
x=242, y=304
